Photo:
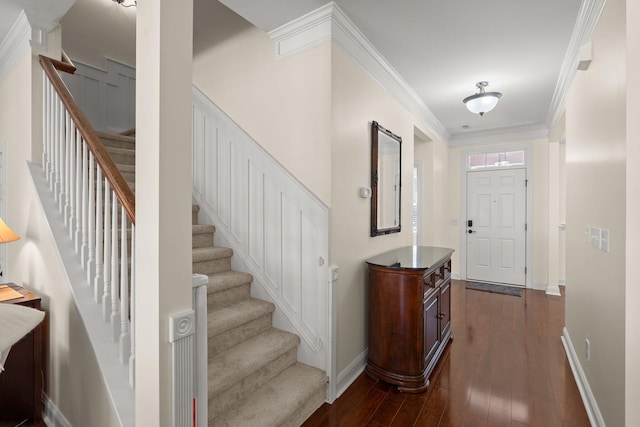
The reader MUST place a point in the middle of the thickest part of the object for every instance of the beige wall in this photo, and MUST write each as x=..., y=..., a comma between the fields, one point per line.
x=283, y=104
x=632, y=340
x=72, y=379
x=596, y=195
x=539, y=182
x=357, y=100
x=95, y=30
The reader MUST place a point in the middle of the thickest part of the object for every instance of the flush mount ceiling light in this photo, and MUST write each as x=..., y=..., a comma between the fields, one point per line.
x=482, y=101
x=126, y=3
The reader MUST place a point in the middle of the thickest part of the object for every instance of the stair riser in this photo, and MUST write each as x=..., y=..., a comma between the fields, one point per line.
x=234, y=336
x=118, y=144
x=308, y=408
x=124, y=158
x=212, y=266
x=202, y=240
x=226, y=399
x=228, y=296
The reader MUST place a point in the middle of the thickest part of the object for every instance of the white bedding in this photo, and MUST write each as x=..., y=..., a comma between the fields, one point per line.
x=15, y=322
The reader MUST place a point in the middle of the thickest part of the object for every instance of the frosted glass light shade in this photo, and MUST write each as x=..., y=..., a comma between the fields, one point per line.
x=6, y=234
x=480, y=103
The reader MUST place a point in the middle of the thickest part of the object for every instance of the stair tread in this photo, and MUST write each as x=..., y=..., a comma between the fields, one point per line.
x=210, y=253
x=202, y=228
x=226, y=280
x=225, y=318
x=116, y=137
x=275, y=402
x=238, y=362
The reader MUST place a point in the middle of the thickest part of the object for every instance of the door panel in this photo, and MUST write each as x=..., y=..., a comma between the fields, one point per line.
x=496, y=240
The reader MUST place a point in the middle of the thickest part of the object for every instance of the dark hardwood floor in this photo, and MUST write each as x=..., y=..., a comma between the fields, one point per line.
x=506, y=366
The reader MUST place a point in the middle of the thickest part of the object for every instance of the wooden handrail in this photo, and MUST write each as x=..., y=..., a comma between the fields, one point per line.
x=111, y=172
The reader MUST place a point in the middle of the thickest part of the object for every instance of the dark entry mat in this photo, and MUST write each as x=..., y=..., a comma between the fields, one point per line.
x=496, y=289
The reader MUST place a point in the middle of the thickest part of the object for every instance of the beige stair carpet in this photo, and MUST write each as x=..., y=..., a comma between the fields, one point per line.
x=254, y=377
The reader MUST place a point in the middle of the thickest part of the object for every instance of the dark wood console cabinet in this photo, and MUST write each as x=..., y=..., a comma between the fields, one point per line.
x=21, y=382
x=409, y=314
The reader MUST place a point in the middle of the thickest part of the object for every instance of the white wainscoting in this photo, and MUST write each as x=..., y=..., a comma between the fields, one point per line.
x=107, y=98
x=278, y=228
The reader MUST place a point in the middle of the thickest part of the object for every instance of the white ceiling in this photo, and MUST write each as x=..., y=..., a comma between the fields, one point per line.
x=443, y=48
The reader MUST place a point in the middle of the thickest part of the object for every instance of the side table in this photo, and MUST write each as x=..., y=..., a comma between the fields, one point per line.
x=21, y=381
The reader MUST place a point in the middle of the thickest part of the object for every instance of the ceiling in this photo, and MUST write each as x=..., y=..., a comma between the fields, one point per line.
x=442, y=49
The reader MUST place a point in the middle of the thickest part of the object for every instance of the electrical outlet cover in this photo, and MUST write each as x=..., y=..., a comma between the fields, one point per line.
x=604, y=240
x=595, y=237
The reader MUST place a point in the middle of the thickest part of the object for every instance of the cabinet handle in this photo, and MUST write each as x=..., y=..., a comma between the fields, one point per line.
x=440, y=316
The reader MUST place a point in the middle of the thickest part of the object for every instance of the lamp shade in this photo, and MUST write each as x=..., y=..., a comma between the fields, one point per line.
x=482, y=101
x=6, y=234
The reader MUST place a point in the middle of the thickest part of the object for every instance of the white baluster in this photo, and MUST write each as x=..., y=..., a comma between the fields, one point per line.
x=85, y=206
x=97, y=283
x=72, y=180
x=54, y=147
x=78, y=192
x=91, y=228
x=62, y=160
x=125, y=341
x=132, y=315
x=45, y=121
x=106, y=298
x=67, y=160
x=115, y=308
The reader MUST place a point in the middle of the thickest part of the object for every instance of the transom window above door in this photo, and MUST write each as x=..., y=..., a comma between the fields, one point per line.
x=500, y=159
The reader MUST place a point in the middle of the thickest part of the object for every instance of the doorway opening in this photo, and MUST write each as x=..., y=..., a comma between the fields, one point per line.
x=495, y=231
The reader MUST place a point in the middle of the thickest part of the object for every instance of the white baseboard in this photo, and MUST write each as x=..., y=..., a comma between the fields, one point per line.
x=456, y=276
x=51, y=415
x=553, y=290
x=590, y=404
x=351, y=372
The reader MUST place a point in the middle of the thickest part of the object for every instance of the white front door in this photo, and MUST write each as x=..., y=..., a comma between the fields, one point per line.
x=496, y=226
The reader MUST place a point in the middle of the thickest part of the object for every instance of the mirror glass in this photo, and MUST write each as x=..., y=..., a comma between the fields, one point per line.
x=385, y=180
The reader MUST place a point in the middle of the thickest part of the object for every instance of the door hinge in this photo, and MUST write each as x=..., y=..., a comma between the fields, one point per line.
x=525, y=271
x=526, y=182
x=525, y=226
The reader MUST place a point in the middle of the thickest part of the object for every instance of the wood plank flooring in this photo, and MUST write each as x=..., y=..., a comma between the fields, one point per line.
x=506, y=366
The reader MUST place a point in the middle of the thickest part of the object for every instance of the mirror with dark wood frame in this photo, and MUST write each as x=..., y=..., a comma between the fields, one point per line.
x=386, y=170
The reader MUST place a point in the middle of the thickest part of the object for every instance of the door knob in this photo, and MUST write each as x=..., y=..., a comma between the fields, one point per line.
x=471, y=231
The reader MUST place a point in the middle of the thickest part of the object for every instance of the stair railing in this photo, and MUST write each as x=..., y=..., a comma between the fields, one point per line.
x=97, y=204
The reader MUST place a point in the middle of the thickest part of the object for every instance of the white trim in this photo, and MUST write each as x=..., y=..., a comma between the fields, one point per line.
x=3, y=208
x=528, y=166
x=27, y=32
x=590, y=404
x=15, y=45
x=498, y=136
x=588, y=16
x=313, y=29
x=114, y=374
x=303, y=33
x=553, y=290
x=351, y=372
x=51, y=415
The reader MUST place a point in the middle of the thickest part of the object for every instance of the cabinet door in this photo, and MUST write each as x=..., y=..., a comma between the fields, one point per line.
x=445, y=309
x=431, y=329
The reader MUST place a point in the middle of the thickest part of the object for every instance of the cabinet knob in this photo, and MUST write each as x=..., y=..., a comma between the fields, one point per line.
x=440, y=316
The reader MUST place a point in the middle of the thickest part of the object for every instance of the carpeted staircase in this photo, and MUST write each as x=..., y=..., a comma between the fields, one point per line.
x=254, y=376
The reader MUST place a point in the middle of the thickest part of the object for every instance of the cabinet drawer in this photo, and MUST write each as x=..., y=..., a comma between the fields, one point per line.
x=429, y=282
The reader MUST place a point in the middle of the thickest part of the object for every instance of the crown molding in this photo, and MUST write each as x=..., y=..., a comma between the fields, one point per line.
x=28, y=31
x=15, y=45
x=329, y=23
x=498, y=136
x=586, y=22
